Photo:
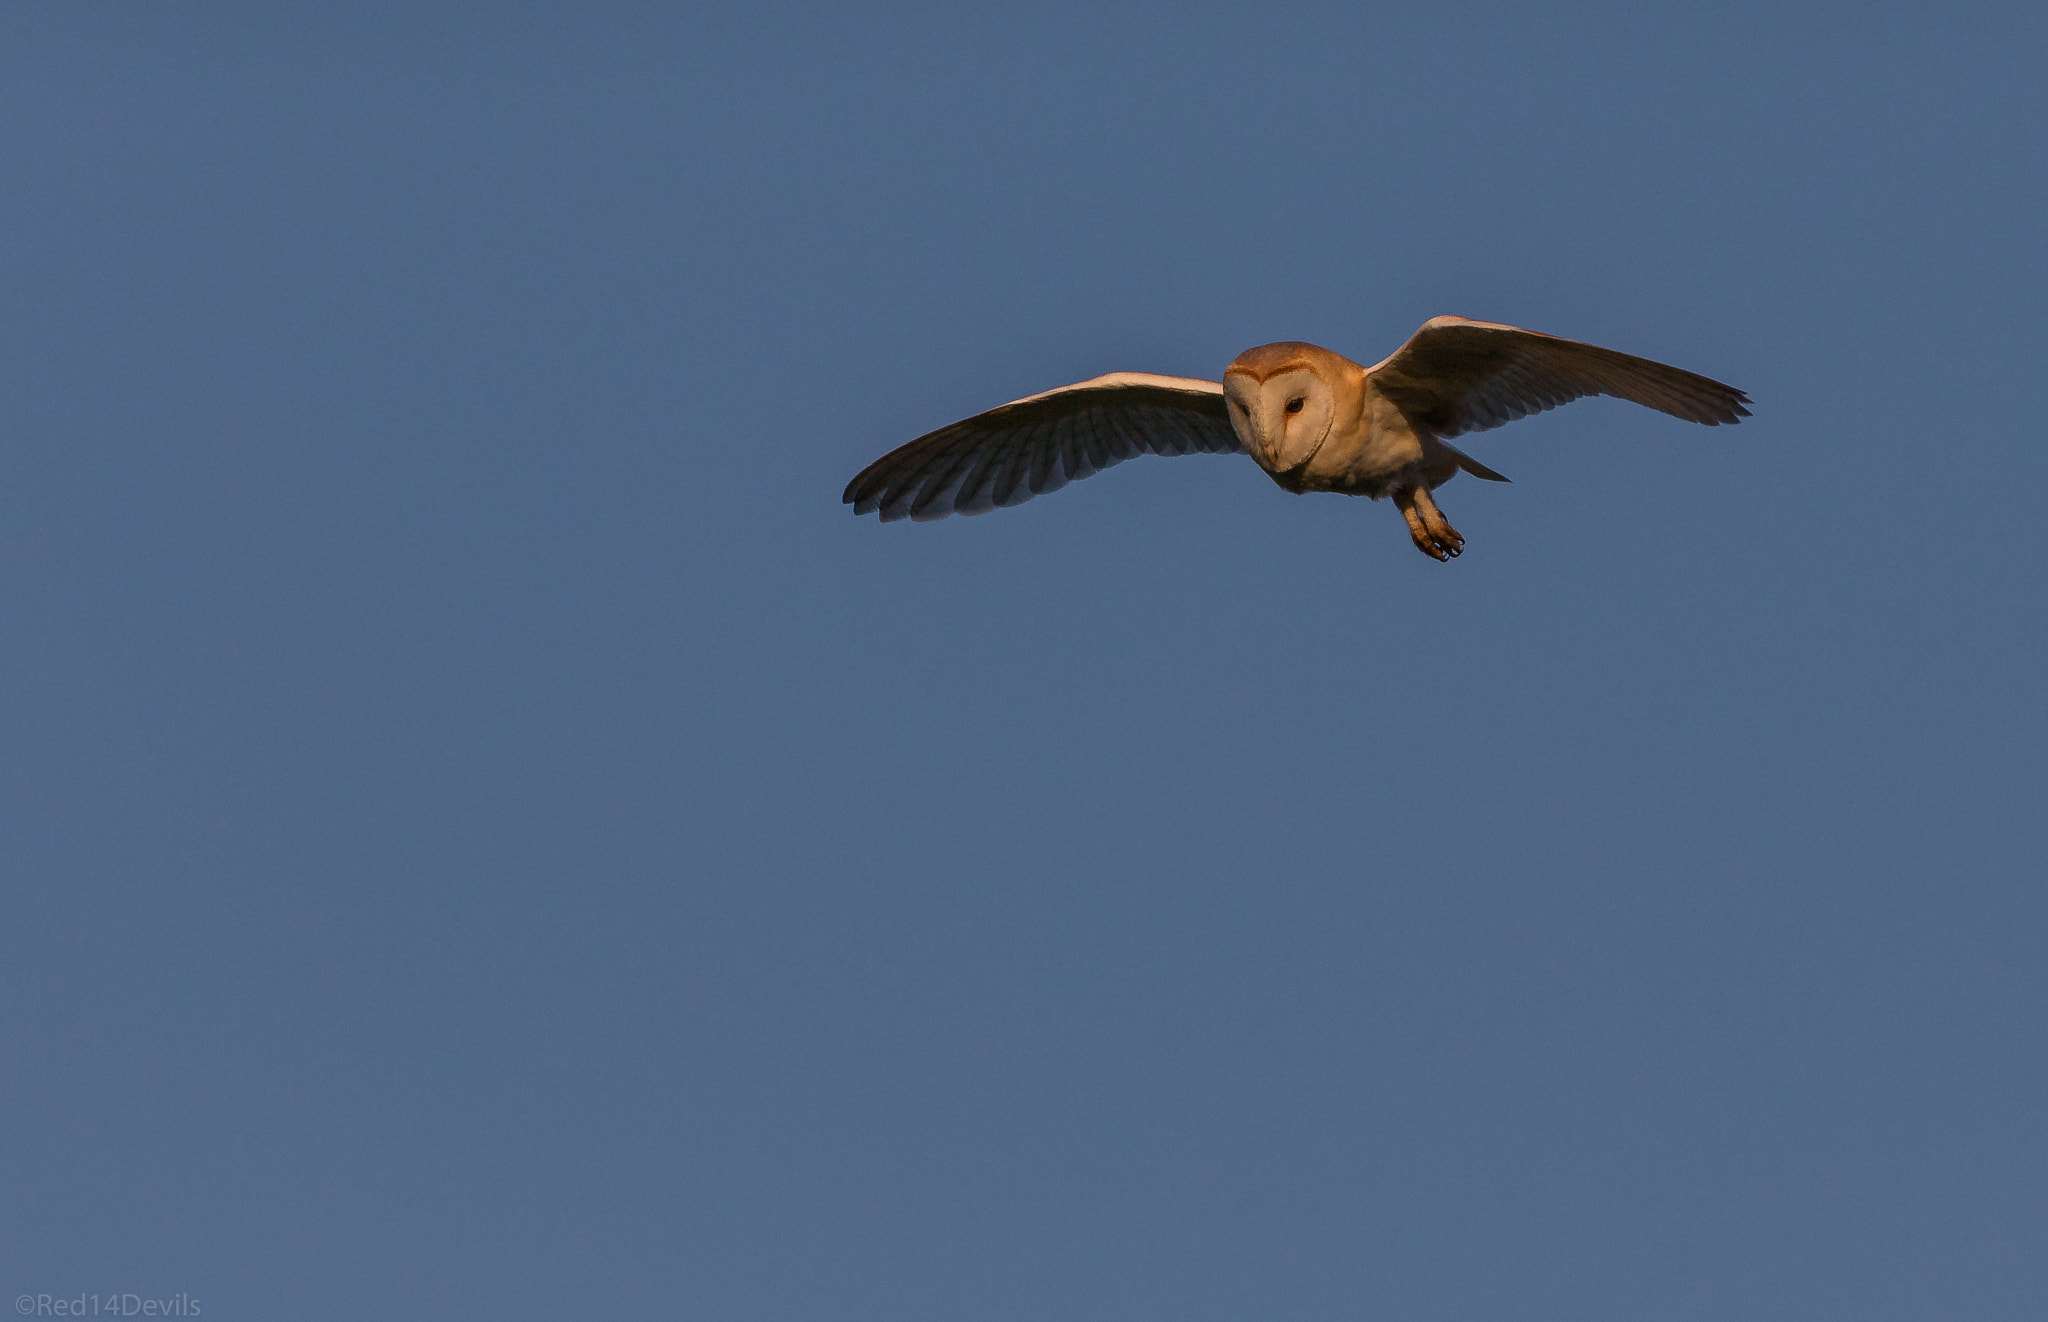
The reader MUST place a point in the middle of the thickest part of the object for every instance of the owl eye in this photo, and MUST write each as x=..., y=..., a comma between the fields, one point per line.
x=1294, y=405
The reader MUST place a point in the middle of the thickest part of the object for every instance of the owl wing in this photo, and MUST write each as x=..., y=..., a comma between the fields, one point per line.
x=1027, y=448
x=1456, y=376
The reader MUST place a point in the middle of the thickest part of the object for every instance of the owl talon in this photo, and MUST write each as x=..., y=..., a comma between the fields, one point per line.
x=1432, y=533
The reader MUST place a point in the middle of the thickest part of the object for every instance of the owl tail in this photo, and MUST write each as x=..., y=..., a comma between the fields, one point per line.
x=1473, y=466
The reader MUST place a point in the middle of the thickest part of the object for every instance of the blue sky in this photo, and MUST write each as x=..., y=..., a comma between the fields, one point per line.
x=485, y=833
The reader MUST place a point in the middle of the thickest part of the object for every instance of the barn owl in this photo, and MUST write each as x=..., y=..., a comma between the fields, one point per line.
x=1313, y=419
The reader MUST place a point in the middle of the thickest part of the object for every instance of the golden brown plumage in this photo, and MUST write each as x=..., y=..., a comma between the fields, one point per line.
x=1313, y=419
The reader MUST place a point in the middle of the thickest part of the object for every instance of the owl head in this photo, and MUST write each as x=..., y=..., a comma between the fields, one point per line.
x=1284, y=399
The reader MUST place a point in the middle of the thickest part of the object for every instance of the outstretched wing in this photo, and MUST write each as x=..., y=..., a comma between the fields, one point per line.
x=1010, y=454
x=1456, y=376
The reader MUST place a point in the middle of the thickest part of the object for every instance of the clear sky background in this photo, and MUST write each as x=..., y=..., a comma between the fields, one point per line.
x=484, y=832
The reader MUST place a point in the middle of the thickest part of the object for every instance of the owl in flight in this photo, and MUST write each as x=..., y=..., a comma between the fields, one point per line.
x=1313, y=419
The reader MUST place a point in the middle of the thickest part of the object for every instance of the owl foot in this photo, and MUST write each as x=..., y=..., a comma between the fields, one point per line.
x=1434, y=536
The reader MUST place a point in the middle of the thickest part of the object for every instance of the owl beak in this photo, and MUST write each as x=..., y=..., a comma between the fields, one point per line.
x=1264, y=442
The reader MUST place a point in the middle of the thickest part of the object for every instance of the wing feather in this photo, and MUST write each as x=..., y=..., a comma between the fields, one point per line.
x=1009, y=487
x=1456, y=376
x=1074, y=460
x=1045, y=467
x=1027, y=448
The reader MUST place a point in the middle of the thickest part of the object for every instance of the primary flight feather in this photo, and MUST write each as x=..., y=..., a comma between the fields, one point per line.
x=1313, y=419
